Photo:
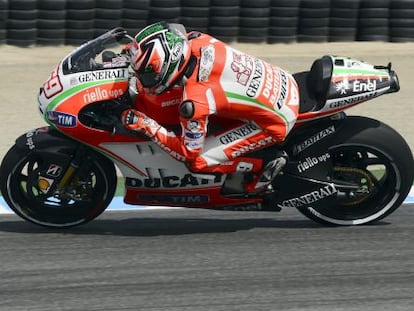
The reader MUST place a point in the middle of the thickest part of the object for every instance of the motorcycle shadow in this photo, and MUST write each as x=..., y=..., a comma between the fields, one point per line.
x=166, y=226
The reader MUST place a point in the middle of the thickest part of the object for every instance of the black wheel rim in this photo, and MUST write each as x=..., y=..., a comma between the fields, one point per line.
x=377, y=177
x=89, y=195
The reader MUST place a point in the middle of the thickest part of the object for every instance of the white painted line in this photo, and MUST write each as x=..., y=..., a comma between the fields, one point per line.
x=118, y=204
x=410, y=197
x=4, y=209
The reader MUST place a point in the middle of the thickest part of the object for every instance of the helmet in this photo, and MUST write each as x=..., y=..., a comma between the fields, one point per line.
x=160, y=54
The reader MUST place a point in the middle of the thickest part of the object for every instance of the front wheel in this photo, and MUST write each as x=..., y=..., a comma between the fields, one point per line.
x=29, y=189
x=377, y=164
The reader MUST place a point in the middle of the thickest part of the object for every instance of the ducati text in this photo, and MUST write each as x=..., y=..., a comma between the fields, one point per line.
x=186, y=181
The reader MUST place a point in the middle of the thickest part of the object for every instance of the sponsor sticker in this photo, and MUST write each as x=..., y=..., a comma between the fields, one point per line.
x=174, y=199
x=253, y=146
x=171, y=102
x=310, y=198
x=194, y=125
x=44, y=184
x=310, y=162
x=238, y=133
x=62, y=119
x=256, y=79
x=206, y=63
x=242, y=65
x=191, y=135
x=185, y=181
x=98, y=94
x=54, y=170
x=276, y=86
x=364, y=86
x=313, y=139
x=341, y=102
x=168, y=150
x=356, y=86
x=177, y=51
x=29, y=140
x=194, y=144
x=342, y=87
x=103, y=75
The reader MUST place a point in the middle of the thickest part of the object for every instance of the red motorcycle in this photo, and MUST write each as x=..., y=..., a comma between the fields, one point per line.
x=342, y=170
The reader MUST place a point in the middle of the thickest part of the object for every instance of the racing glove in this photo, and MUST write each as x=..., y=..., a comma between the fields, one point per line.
x=135, y=120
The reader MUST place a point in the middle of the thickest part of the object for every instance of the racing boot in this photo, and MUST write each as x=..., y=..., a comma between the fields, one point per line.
x=262, y=182
x=239, y=184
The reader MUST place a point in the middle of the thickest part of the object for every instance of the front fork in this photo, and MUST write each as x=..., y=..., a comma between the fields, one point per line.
x=73, y=168
x=57, y=178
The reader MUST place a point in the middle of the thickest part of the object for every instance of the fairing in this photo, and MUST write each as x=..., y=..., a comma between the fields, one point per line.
x=350, y=82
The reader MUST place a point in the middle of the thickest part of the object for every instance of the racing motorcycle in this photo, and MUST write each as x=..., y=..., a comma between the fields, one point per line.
x=342, y=170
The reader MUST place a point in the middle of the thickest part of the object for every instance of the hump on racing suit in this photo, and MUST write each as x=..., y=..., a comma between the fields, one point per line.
x=220, y=81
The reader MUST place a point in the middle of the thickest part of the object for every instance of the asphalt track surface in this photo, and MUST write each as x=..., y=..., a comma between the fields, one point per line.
x=207, y=260
x=201, y=259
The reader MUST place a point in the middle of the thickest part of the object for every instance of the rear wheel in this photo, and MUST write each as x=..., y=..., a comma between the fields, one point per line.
x=34, y=197
x=377, y=165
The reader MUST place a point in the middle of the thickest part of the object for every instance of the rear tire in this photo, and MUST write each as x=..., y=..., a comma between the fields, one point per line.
x=379, y=161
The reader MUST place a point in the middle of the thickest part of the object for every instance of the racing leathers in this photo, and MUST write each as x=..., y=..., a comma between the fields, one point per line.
x=261, y=100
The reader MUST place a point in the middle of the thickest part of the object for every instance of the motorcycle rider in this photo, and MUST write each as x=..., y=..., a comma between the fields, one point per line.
x=260, y=101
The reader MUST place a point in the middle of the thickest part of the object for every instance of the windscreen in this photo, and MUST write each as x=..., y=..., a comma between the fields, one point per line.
x=101, y=53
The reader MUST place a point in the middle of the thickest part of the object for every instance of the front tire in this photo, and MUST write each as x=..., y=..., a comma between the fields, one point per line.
x=88, y=194
x=376, y=159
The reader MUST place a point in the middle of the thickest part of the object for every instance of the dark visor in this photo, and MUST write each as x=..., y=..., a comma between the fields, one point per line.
x=148, y=79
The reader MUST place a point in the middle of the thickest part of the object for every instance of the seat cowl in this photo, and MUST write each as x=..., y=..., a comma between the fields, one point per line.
x=319, y=78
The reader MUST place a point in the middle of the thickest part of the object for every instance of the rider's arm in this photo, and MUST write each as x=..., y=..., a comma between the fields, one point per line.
x=184, y=147
x=193, y=120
